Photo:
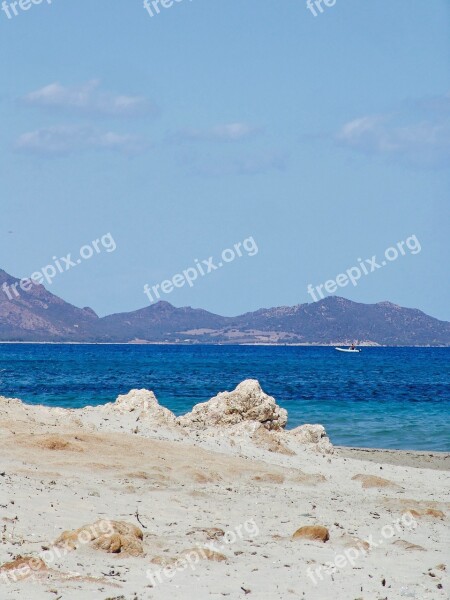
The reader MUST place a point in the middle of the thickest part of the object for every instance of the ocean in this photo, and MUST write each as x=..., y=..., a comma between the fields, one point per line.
x=381, y=398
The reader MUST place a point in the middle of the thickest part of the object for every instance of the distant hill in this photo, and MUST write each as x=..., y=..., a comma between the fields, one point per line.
x=38, y=316
x=336, y=319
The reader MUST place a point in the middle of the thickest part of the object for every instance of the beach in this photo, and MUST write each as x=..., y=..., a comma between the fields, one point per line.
x=207, y=505
x=224, y=316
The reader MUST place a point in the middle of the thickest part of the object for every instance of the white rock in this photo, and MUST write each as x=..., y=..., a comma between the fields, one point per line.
x=246, y=403
x=145, y=404
x=314, y=436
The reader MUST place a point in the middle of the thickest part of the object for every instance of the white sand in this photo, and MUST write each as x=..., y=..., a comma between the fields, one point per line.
x=179, y=480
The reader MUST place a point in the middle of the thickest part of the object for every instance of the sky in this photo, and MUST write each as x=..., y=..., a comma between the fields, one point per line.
x=315, y=142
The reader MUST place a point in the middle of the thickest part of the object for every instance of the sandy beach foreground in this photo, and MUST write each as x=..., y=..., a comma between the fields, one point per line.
x=221, y=503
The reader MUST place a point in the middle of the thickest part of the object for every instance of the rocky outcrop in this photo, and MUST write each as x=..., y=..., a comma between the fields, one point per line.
x=145, y=405
x=313, y=436
x=246, y=403
x=249, y=413
x=245, y=414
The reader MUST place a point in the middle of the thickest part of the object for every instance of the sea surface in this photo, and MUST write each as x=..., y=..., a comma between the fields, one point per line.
x=380, y=398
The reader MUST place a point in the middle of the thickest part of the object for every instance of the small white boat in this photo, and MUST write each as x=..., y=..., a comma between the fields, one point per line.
x=348, y=349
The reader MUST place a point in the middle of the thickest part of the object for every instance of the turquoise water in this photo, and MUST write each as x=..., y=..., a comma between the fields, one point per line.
x=382, y=397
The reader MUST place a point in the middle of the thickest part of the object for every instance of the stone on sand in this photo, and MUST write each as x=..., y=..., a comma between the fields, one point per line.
x=312, y=532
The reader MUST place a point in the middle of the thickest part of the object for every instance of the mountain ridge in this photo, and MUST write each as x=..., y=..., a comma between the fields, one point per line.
x=38, y=315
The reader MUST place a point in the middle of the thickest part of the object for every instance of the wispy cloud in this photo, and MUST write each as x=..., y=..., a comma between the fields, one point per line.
x=64, y=140
x=88, y=99
x=417, y=136
x=228, y=132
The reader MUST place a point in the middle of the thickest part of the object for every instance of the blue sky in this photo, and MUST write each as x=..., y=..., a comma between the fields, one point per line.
x=326, y=139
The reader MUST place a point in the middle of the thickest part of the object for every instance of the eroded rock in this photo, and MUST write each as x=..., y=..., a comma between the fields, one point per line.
x=247, y=402
x=116, y=537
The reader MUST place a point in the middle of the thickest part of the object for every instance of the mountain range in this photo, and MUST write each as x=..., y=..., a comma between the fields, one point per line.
x=38, y=315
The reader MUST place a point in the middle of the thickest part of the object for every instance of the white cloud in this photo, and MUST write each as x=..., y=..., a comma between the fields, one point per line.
x=229, y=132
x=418, y=137
x=64, y=140
x=87, y=98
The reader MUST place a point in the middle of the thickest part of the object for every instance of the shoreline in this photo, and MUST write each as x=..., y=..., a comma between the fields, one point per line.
x=403, y=456
x=243, y=344
x=400, y=456
x=420, y=459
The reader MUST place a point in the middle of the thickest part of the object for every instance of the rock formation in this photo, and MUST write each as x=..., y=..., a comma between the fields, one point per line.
x=246, y=413
x=246, y=403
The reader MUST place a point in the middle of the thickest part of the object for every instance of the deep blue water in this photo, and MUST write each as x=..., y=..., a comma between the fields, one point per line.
x=382, y=397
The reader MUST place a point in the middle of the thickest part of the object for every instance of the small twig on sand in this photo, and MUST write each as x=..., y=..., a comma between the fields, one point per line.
x=139, y=520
